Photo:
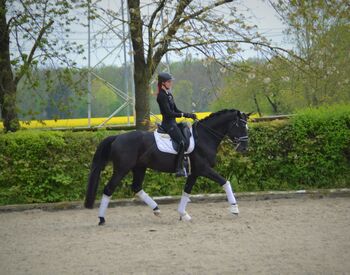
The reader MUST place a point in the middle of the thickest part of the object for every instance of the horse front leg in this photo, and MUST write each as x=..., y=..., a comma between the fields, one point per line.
x=185, y=198
x=226, y=185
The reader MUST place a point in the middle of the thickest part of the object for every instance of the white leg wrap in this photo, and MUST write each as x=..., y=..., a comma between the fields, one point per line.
x=104, y=205
x=146, y=199
x=230, y=196
x=185, y=198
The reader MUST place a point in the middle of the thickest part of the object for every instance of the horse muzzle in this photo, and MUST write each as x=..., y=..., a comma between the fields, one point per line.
x=242, y=147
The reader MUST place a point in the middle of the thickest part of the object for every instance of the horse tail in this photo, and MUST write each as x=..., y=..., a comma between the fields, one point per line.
x=99, y=162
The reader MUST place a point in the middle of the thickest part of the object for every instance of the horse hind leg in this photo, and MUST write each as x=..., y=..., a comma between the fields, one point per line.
x=107, y=194
x=138, y=177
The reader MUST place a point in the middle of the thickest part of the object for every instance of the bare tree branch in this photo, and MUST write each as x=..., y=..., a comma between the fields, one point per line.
x=205, y=9
x=156, y=11
x=150, y=30
x=32, y=52
x=218, y=41
x=13, y=18
x=173, y=27
x=136, y=31
x=18, y=45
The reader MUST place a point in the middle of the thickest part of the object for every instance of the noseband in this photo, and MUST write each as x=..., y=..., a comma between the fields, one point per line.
x=242, y=138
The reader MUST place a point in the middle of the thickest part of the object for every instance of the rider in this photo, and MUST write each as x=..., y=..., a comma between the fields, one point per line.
x=169, y=112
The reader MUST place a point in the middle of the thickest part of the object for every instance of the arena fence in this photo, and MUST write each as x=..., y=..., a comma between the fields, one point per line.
x=121, y=122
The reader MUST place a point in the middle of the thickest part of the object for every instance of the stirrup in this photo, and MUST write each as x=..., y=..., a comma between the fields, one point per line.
x=181, y=173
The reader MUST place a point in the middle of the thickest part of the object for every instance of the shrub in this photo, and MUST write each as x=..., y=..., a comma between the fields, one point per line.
x=311, y=150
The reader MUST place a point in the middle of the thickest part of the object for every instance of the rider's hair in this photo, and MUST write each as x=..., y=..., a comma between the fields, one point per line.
x=160, y=84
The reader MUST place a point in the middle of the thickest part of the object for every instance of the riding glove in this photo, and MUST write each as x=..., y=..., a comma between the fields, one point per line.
x=189, y=115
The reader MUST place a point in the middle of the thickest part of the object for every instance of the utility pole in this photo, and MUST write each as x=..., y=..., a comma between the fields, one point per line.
x=126, y=74
x=89, y=67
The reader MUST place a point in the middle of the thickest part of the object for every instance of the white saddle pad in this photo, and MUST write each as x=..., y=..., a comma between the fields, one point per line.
x=164, y=143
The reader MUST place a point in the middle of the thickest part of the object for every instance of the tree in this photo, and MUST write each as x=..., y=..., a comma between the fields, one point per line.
x=34, y=29
x=320, y=30
x=243, y=89
x=183, y=93
x=262, y=86
x=216, y=32
x=205, y=78
x=319, y=75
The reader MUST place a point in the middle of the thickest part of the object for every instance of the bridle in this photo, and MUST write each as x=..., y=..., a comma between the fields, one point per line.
x=217, y=135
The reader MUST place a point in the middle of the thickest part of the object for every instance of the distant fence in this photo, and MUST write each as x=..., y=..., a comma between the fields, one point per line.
x=115, y=123
x=121, y=122
x=270, y=118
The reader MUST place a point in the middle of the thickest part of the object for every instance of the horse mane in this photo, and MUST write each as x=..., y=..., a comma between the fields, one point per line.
x=218, y=113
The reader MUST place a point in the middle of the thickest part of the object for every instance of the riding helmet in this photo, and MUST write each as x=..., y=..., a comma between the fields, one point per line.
x=163, y=77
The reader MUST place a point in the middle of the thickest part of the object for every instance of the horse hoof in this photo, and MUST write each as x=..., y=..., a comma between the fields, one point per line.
x=102, y=221
x=156, y=213
x=185, y=217
x=234, y=209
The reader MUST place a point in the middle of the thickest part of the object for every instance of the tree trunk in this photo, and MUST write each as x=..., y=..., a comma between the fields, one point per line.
x=8, y=85
x=273, y=105
x=142, y=73
x=142, y=96
x=257, y=105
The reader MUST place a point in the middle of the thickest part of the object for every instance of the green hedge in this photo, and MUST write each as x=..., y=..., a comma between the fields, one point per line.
x=311, y=150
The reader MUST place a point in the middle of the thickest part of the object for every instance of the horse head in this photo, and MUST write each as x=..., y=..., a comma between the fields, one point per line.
x=231, y=123
x=238, y=131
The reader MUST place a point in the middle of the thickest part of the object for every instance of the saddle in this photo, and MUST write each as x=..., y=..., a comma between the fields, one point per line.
x=189, y=143
x=185, y=130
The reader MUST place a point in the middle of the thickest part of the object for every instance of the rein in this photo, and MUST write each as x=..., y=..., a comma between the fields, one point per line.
x=218, y=135
x=211, y=131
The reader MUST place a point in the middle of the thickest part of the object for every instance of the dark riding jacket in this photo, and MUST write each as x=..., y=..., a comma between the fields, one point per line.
x=168, y=107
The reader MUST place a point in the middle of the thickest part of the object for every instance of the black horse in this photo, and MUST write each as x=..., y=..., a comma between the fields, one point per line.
x=136, y=151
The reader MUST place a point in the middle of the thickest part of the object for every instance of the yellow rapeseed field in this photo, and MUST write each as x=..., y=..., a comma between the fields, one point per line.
x=83, y=122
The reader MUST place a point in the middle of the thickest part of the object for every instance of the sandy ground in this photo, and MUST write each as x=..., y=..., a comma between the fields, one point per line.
x=310, y=236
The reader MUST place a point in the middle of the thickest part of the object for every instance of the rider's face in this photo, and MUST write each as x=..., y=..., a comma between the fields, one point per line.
x=168, y=84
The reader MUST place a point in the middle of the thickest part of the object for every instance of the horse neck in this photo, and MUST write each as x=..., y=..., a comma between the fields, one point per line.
x=214, y=130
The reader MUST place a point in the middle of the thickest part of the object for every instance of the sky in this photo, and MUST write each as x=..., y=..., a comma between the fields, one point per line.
x=261, y=13
x=108, y=50
x=269, y=25
x=264, y=16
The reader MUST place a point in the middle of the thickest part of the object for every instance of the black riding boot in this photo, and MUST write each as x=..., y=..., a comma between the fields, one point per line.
x=180, y=171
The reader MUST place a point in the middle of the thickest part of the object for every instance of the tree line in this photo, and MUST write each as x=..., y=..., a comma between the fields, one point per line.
x=269, y=87
x=41, y=83
x=193, y=90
